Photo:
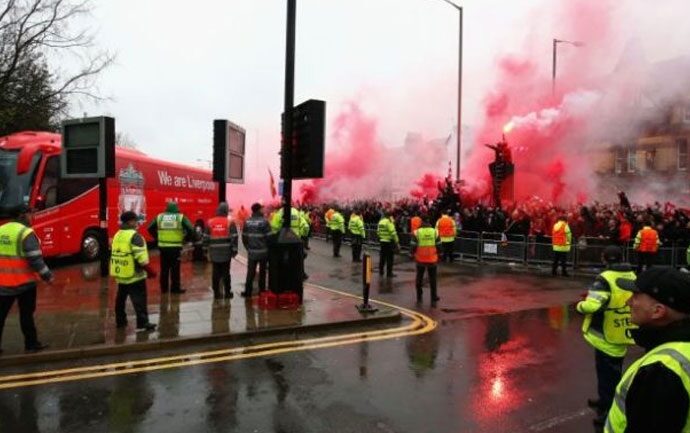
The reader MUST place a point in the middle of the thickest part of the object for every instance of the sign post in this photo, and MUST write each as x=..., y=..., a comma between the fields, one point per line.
x=228, y=155
x=89, y=152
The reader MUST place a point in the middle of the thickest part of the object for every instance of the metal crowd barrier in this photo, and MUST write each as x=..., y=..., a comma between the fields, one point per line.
x=530, y=250
x=501, y=247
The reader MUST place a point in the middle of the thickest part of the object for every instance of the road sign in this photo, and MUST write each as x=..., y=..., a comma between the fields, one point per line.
x=228, y=152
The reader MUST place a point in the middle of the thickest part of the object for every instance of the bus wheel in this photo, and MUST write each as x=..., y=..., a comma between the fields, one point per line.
x=91, y=245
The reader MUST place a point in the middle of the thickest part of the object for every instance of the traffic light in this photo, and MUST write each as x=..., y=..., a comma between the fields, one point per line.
x=88, y=148
x=308, y=137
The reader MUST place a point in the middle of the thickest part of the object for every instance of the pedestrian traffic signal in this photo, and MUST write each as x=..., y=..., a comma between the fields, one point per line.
x=308, y=138
x=88, y=148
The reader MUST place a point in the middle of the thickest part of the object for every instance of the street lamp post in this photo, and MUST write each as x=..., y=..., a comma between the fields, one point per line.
x=459, y=127
x=553, y=66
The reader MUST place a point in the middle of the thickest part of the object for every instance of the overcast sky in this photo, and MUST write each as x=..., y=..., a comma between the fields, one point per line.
x=181, y=64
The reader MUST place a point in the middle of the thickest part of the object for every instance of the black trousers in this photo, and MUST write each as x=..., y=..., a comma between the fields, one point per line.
x=559, y=257
x=357, y=248
x=431, y=270
x=386, y=258
x=137, y=294
x=644, y=259
x=251, y=273
x=609, y=372
x=337, y=241
x=220, y=274
x=447, y=248
x=27, y=306
x=170, y=269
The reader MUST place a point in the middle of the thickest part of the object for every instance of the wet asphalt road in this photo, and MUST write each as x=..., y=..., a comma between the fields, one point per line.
x=507, y=357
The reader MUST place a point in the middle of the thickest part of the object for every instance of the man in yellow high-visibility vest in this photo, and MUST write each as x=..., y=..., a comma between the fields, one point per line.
x=170, y=228
x=561, y=240
x=21, y=263
x=606, y=327
x=129, y=265
x=654, y=392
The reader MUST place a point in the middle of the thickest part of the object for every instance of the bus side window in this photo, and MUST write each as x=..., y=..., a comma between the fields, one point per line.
x=49, y=183
x=71, y=188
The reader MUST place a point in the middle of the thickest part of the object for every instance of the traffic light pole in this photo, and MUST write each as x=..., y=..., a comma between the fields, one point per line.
x=286, y=257
x=287, y=144
x=222, y=188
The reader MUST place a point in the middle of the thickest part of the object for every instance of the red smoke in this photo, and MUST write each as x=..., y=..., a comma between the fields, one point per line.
x=359, y=166
x=554, y=135
x=354, y=155
x=551, y=130
x=427, y=186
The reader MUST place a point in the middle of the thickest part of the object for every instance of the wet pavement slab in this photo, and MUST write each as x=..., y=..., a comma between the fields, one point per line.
x=76, y=315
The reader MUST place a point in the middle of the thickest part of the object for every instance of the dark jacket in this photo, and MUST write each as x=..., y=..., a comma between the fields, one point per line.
x=255, y=235
x=657, y=401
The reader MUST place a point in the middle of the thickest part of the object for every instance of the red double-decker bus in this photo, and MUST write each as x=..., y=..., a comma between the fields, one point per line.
x=66, y=210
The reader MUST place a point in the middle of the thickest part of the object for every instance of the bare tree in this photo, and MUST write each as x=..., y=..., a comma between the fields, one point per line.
x=123, y=139
x=32, y=31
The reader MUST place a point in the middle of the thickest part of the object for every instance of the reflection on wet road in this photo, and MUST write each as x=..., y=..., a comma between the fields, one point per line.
x=419, y=324
x=507, y=356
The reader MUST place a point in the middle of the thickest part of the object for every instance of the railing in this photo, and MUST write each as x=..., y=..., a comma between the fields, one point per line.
x=531, y=250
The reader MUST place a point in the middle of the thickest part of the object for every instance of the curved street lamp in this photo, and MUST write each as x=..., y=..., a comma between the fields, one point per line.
x=459, y=127
x=555, y=50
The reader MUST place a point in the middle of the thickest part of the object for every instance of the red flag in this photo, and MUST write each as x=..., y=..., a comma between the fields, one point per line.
x=272, y=184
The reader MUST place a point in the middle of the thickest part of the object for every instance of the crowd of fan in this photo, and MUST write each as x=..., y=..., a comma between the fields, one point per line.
x=615, y=223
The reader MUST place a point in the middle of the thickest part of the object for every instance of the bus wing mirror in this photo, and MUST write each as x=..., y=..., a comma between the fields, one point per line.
x=40, y=202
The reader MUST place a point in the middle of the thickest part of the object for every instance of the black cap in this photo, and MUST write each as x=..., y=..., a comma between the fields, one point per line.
x=669, y=286
x=256, y=207
x=128, y=216
x=613, y=254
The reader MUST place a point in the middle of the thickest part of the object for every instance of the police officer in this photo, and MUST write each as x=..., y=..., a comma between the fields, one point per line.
x=170, y=228
x=356, y=227
x=20, y=262
x=606, y=327
x=336, y=224
x=129, y=265
x=306, y=233
x=327, y=219
x=424, y=248
x=221, y=238
x=654, y=393
x=305, y=230
x=255, y=236
x=297, y=226
x=297, y=223
x=388, y=241
x=561, y=240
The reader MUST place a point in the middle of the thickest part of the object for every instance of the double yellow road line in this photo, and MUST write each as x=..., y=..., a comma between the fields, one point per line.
x=420, y=324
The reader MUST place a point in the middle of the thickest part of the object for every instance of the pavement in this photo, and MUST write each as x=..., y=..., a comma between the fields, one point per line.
x=76, y=316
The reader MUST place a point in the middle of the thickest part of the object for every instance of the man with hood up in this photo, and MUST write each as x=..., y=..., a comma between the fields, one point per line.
x=169, y=229
x=221, y=238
